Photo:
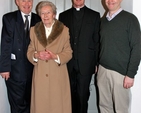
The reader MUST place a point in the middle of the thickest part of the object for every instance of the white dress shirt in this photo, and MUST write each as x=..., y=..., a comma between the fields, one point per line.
x=29, y=17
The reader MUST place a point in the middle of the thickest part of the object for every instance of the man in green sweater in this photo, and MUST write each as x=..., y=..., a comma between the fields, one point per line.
x=119, y=58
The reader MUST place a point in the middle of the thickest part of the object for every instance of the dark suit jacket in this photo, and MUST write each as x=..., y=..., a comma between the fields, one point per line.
x=88, y=44
x=14, y=46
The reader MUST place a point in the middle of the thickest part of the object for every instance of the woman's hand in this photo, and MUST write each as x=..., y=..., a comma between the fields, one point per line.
x=45, y=55
x=51, y=55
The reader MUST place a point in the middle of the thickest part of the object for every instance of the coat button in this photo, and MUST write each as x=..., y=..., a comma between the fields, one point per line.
x=46, y=75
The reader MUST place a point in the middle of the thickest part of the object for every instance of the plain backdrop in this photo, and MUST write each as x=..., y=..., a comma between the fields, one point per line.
x=129, y=5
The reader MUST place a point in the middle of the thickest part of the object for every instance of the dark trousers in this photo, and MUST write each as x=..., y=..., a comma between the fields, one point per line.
x=79, y=90
x=19, y=94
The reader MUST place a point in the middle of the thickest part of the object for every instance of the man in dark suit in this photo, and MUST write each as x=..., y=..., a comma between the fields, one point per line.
x=83, y=24
x=14, y=66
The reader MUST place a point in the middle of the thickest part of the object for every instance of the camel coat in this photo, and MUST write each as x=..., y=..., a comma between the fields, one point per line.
x=50, y=84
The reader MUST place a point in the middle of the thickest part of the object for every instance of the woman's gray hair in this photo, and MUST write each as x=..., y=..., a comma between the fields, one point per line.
x=45, y=3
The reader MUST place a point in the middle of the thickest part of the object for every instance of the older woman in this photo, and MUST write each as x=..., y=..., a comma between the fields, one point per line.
x=49, y=51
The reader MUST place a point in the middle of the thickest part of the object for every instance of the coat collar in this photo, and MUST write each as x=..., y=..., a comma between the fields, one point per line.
x=41, y=36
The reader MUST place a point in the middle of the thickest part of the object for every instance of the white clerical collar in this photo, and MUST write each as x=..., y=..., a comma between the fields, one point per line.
x=78, y=8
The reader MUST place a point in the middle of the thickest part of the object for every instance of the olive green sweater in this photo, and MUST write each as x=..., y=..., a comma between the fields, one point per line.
x=120, y=44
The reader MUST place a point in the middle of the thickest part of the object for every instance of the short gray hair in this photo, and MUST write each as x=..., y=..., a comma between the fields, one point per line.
x=45, y=3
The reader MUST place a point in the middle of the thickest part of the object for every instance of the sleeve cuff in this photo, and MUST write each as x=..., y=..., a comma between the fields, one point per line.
x=35, y=59
x=58, y=60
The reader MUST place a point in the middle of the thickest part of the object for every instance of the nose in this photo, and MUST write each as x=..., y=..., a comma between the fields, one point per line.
x=46, y=14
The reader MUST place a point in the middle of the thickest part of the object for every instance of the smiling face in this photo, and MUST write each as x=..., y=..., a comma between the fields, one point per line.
x=25, y=5
x=78, y=3
x=113, y=5
x=47, y=15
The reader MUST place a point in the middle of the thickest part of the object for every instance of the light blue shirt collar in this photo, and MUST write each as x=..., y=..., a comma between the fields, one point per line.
x=109, y=18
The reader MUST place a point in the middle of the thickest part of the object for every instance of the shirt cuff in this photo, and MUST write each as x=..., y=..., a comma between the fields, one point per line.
x=57, y=60
x=35, y=59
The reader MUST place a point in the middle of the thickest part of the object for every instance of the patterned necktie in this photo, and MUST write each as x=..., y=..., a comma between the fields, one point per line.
x=26, y=24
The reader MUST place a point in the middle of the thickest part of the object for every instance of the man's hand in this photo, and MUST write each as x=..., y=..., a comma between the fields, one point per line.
x=96, y=69
x=128, y=82
x=5, y=75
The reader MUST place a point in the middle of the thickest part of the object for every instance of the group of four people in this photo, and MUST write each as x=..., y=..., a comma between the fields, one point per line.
x=60, y=56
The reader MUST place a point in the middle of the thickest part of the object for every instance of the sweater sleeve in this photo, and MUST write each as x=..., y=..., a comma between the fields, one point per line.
x=135, y=45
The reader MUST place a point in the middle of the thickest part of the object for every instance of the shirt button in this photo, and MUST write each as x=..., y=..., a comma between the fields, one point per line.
x=46, y=75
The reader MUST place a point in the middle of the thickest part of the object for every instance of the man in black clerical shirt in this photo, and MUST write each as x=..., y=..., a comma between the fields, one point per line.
x=83, y=24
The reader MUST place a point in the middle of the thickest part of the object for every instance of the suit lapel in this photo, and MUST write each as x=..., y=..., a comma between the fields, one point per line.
x=20, y=24
x=32, y=20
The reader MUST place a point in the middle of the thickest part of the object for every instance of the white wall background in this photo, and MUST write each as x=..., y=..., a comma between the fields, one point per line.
x=129, y=5
x=136, y=89
x=4, y=106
